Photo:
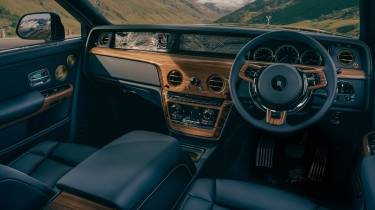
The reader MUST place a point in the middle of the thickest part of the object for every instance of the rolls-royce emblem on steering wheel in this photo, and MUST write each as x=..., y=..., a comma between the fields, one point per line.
x=279, y=83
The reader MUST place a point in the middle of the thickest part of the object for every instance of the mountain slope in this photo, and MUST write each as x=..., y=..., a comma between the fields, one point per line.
x=223, y=7
x=334, y=15
x=118, y=11
x=155, y=11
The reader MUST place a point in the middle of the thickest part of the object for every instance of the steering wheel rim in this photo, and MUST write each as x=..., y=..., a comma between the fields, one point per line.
x=329, y=72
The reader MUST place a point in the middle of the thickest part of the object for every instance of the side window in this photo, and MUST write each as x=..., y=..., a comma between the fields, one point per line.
x=12, y=10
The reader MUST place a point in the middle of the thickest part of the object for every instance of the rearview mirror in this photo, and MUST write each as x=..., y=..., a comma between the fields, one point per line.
x=41, y=26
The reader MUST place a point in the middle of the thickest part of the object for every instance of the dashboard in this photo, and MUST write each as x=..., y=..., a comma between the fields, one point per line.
x=190, y=67
x=346, y=55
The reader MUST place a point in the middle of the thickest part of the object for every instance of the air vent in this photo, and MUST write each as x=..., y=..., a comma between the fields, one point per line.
x=215, y=83
x=175, y=78
x=104, y=40
x=162, y=41
x=346, y=57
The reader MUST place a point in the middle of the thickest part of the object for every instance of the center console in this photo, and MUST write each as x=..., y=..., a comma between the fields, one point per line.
x=140, y=170
x=194, y=111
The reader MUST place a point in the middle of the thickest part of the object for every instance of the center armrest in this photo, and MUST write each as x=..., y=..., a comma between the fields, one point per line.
x=137, y=171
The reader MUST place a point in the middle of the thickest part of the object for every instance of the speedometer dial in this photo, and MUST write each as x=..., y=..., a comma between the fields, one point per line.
x=287, y=54
x=310, y=57
x=263, y=54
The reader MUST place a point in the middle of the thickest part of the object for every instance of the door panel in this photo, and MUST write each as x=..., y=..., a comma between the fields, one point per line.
x=32, y=98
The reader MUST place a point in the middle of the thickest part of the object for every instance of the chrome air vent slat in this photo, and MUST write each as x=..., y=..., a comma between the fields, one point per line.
x=346, y=57
x=175, y=78
x=215, y=83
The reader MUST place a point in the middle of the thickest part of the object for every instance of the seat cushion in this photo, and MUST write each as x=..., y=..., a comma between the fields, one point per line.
x=228, y=194
x=50, y=160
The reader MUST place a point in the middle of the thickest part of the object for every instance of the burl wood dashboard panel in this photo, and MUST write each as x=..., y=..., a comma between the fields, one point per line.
x=199, y=67
x=188, y=66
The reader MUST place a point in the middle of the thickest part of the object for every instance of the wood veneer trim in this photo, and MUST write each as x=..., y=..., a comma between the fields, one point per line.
x=189, y=66
x=161, y=58
x=194, y=131
x=352, y=74
x=67, y=201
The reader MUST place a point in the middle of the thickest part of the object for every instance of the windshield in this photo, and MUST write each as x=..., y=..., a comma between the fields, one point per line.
x=333, y=16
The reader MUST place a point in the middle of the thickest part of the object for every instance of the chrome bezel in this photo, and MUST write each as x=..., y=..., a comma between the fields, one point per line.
x=306, y=51
x=264, y=48
x=291, y=46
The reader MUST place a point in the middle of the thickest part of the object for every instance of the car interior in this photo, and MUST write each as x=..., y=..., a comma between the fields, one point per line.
x=190, y=117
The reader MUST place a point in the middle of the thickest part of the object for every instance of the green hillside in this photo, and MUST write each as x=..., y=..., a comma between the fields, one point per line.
x=118, y=11
x=12, y=10
x=334, y=15
x=155, y=11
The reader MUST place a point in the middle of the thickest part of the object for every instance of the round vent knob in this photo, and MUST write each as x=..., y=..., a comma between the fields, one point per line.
x=215, y=83
x=346, y=57
x=175, y=78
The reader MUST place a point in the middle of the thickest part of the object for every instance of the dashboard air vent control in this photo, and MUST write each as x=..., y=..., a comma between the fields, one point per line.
x=346, y=57
x=175, y=78
x=104, y=40
x=215, y=83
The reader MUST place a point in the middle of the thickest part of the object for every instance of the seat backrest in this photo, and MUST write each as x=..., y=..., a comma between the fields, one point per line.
x=20, y=191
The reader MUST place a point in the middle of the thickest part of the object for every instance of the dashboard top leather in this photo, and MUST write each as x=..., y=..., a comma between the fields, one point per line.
x=126, y=172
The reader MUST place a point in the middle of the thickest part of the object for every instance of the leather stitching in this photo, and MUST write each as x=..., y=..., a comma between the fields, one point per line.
x=165, y=178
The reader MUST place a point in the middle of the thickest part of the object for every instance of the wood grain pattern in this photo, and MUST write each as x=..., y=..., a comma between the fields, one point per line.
x=207, y=133
x=67, y=201
x=276, y=121
x=260, y=66
x=190, y=66
x=48, y=103
x=202, y=68
x=352, y=74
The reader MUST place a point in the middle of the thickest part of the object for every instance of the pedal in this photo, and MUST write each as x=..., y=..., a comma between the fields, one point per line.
x=265, y=153
x=318, y=167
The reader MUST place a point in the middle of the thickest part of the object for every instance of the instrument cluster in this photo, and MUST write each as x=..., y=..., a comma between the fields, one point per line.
x=287, y=53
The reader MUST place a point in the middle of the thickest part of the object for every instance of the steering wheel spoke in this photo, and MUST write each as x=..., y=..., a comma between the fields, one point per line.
x=277, y=118
x=316, y=77
x=250, y=70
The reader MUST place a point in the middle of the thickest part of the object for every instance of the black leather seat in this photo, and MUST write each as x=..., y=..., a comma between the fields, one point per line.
x=49, y=161
x=227, y=194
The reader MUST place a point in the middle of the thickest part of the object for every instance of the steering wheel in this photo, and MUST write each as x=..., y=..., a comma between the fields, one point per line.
x=280, y=89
